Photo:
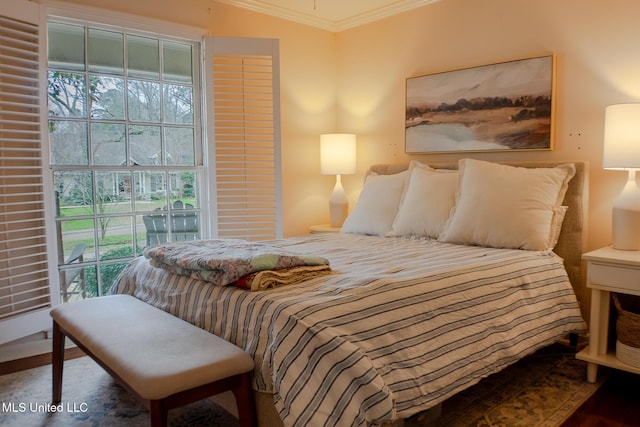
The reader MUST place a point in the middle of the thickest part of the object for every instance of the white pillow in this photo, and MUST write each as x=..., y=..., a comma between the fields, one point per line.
x=427, y=201
x=377, y=205
x=556, y=225
x=507, y=207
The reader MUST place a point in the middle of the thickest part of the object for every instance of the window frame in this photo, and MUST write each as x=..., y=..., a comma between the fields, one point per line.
x=130, y=24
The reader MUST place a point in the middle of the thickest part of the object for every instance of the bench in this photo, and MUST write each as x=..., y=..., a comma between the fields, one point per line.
x=160, y=358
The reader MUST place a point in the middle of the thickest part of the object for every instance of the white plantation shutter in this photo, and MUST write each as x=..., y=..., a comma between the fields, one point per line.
x=244, y=136
x=24, y=285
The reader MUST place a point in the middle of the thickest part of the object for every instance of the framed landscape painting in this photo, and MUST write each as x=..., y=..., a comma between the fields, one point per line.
x=505, y=106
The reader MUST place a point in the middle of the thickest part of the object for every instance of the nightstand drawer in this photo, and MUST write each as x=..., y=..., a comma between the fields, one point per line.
x=618, y=276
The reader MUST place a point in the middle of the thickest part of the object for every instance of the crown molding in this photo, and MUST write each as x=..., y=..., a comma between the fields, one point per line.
x=327, y=24
x=380, y=13
x=280, y=12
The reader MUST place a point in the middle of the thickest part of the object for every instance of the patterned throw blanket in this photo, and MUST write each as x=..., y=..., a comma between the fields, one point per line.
x=250, y=265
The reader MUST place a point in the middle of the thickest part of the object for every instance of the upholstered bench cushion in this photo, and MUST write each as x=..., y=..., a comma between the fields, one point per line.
x=155, y=353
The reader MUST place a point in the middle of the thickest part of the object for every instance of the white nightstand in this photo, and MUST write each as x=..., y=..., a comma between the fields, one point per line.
x=608, y=270
x=324, y=228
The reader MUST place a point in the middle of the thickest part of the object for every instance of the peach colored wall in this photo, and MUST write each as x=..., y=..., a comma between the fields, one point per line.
x=354, y=81
x=598, y=64
x=308, y=100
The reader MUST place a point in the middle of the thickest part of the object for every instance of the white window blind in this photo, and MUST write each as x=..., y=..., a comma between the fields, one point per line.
x=24, y=284
x=243, y=78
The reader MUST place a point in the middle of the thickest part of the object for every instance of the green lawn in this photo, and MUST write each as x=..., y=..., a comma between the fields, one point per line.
x=118, y=233
x=111, y=208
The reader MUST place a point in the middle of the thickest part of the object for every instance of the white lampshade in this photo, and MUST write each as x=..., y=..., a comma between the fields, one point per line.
x=622, y=151
x=621, y=136
x=338, y=157
x=337, y=154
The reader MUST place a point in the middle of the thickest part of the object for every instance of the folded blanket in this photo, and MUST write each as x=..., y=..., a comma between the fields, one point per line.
x=267, y=279
x=225, y=261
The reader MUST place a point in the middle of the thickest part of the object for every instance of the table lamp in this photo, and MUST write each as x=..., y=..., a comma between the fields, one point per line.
x=338, y=157
x=622, y=152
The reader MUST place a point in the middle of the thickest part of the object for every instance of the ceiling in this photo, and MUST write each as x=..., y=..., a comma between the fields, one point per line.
x=332, y=15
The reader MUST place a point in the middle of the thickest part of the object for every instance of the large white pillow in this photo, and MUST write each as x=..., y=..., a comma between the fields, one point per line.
x=507, y=207
x=377, y=205
x=427, y=201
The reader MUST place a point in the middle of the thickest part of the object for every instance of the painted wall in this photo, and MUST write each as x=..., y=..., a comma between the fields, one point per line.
x=354, y=81
x=308, y=100
x=598, y=64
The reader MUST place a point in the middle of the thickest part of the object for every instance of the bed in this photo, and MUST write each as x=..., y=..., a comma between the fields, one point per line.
x=405, y=320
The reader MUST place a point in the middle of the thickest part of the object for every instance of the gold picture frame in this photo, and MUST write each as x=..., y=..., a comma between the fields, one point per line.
x=497, y=107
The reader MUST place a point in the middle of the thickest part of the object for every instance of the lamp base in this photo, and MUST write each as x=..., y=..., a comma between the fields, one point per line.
x=338, y=205
x=626, y=216
x=626, y=229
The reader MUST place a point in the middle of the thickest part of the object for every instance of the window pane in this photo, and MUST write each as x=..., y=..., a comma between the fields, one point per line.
x=75, y=232
x=109, y=144
x=179, y=146
x=183, y=186
x=143, y=57
x=141, y=234
x=113, y=193
x=66, y=46
x=178, y=104
x=108, y=274
x=106, y=52
x=143, y=99
x=91, y=280
x=66, y=94
x=145, y=145
x=73, y=282
x=74, y=193
x=116, y=240
x=107, y=97
x=177, y=62
x=68, y=142
x=156, y=229
x=151, y=190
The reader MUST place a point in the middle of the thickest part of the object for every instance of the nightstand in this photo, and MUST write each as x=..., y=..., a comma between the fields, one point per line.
x=608, y=270
x=324, y=228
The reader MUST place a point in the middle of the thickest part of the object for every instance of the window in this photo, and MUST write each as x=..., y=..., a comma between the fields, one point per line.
x=126, y=148
x=125, y=165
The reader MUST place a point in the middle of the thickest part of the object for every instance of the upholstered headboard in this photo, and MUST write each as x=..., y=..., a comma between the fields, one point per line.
x=572, y=236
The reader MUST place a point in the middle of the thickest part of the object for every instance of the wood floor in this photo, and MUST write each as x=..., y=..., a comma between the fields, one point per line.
x=35, y=361
x=615, y=404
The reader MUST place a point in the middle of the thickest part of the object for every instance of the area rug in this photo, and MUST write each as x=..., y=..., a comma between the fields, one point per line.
x=541, y=390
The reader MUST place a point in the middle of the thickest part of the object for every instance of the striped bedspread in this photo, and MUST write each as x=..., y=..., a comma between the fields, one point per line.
x=401, y=326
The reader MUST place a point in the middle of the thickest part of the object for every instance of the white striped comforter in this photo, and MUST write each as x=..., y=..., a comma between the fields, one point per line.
x=403, y=325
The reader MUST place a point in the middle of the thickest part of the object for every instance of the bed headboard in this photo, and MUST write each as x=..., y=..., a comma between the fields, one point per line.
x=573, y=234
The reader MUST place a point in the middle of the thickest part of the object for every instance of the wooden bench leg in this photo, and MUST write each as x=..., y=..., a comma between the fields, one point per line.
x=158, y=413
x=57, y=363
x=244, y=399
